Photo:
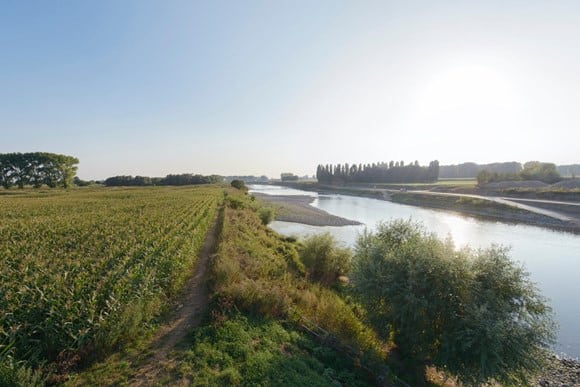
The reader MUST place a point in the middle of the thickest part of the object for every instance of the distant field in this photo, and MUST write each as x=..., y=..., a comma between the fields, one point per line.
x=83, y=269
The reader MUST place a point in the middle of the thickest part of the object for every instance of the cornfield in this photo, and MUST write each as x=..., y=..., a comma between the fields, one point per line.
x=86, y=268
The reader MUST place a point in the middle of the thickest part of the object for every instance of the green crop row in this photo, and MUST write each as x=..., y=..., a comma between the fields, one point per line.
x=83, y=271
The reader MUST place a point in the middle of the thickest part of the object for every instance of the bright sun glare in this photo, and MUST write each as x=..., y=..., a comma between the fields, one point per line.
x=474, y=88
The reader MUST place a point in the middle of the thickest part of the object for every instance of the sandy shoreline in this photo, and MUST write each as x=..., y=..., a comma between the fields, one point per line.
x=297, y=209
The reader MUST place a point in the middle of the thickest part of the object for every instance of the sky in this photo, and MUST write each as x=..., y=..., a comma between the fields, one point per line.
x=140, y=87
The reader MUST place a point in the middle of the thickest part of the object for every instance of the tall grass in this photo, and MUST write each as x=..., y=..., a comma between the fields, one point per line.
x=259, y=273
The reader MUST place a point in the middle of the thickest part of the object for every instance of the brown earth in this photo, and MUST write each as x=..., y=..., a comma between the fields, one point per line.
x=191, y=305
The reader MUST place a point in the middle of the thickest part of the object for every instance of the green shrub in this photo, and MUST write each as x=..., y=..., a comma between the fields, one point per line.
x=235, y=202
x=239, y=184
x=256, y=272
x=324, y=259
x=474, y=314
x=266, y=214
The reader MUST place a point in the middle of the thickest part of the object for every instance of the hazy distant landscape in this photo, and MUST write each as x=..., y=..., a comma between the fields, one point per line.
x=327, y=193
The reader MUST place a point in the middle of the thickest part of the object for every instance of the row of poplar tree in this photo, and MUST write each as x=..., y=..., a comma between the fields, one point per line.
x=392, y=172
x=36, y=169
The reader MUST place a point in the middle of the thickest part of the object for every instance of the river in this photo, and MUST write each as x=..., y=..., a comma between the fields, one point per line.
x=551, y=257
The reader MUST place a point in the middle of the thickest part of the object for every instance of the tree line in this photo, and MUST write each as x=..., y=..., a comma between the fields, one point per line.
x=392, y=172
x=180, y=179
x=37, y=169
x=470, y=170
x=532, y=170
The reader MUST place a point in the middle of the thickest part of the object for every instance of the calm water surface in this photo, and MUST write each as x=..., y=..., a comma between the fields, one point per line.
x=551, y=257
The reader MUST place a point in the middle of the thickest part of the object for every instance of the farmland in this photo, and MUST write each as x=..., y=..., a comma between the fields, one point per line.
x=83, y=271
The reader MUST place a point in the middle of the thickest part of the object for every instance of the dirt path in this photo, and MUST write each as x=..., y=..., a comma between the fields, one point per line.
x=194, y=299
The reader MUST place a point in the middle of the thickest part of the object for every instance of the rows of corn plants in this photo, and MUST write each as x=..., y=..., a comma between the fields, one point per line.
x=83, y=271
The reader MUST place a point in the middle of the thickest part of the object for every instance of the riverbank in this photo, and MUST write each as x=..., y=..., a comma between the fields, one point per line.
x=484, y=208
x=560, y=372
x=297, y=209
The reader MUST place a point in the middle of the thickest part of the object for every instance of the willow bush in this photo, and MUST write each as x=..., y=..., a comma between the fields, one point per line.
x=472, y=313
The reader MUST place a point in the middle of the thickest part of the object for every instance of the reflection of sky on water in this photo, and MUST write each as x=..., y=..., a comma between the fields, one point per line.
x=277, y=190
x=552, y=257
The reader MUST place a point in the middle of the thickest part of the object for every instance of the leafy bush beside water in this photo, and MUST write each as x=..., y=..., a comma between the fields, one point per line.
x=472, y=313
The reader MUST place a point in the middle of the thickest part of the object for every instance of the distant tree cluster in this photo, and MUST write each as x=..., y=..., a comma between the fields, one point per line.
x=182, y=179
x=239, y=184
x=470, y=170
x=36, y=169
x=532, y=170
x=288, y=177
x=536, y=170
x=392, y=172
x=249, y=178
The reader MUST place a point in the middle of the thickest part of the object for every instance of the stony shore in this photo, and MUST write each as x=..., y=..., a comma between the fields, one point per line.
x=560, y=373
x=297, y=209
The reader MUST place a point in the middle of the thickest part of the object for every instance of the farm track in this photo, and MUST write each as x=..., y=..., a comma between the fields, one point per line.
x=195, y=296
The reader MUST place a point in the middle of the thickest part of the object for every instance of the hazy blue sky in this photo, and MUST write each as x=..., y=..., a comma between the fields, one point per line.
x=262, y=87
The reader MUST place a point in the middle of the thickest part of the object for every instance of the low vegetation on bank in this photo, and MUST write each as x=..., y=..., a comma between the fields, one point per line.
x=258, y=273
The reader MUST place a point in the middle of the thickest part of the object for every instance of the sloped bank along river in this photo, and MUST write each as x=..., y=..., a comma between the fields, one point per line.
x=551, y=257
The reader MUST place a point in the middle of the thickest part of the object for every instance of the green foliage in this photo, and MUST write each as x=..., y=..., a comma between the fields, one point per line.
x=474, y=314
x=257, y=272
x=82, y=183
x=378, y=173
x=535, y=170
x=239, y=184
x=37, y=169
x=266, y=214
x=245, y=351
x=88, y=269
x=470, y=170
x=235, y=202
x=175, y=180
x=324, y=259
x=13, y=374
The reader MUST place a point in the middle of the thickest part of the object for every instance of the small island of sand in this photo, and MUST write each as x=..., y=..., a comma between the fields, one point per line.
x=297, y=209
